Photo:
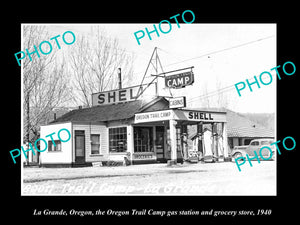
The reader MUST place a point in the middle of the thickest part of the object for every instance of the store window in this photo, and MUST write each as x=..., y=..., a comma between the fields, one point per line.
x=95, y=144
x=54, y=148
x=118, y=139
x=143, y=139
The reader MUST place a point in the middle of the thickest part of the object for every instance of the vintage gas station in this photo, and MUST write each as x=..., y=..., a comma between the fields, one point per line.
x=123, y=125
x=175, y=122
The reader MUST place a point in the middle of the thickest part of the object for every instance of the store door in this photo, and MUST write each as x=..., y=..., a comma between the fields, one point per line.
x=160, y=144
x=79, y=147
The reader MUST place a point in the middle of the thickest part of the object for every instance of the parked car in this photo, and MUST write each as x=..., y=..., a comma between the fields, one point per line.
x=254, y=146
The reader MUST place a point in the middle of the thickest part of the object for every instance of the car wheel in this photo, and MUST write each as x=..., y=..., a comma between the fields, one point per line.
x=237, y=155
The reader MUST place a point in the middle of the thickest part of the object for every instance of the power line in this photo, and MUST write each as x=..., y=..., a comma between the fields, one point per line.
x=222, y=50
x=222, y=90
x=210, y=53
x=209, y=94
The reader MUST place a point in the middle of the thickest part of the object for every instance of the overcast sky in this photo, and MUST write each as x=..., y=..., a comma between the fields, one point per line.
x=222, y=55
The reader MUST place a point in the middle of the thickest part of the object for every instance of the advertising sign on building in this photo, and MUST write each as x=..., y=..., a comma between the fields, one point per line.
x=119, y=95
x=179, y=80
x=144, y=156
x=153, y=116
x=178, y=102
x=194, y=115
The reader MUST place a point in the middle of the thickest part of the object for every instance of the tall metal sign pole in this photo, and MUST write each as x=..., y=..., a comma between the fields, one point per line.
x=154, y=57
x=174, y=81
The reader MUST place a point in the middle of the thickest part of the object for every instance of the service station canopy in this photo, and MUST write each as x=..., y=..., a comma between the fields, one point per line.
x=180, y=114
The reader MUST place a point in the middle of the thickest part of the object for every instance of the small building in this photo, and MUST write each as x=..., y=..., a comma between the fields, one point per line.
x=33, y=158
x=242, y=130
x=140, y=131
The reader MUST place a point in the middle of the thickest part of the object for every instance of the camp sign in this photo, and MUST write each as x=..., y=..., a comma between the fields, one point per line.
x=179, y=80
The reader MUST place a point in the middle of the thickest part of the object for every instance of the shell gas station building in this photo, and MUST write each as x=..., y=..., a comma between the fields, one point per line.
x=123, y=126
x=143, y=132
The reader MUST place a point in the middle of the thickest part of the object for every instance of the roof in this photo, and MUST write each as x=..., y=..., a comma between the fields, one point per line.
x=238, y=125
x=241, y=126
x=107, y=112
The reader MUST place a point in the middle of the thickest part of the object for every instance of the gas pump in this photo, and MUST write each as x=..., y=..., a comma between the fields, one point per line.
x=184, y=138
x=215, y=142
x=200, y=139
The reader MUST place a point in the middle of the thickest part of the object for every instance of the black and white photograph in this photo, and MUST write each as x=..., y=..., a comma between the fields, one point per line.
x=114, y=112
x=174, y=115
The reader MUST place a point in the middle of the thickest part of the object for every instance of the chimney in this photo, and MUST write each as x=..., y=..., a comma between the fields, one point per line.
x=120, y=78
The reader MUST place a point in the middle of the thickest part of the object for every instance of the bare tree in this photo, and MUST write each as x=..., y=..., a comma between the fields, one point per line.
x=222, y=96
x=44, y=82
x=206, y=102
x=95, y=61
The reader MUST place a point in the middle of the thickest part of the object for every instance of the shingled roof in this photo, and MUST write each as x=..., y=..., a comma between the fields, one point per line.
x=107, y=112
x=241, y=126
